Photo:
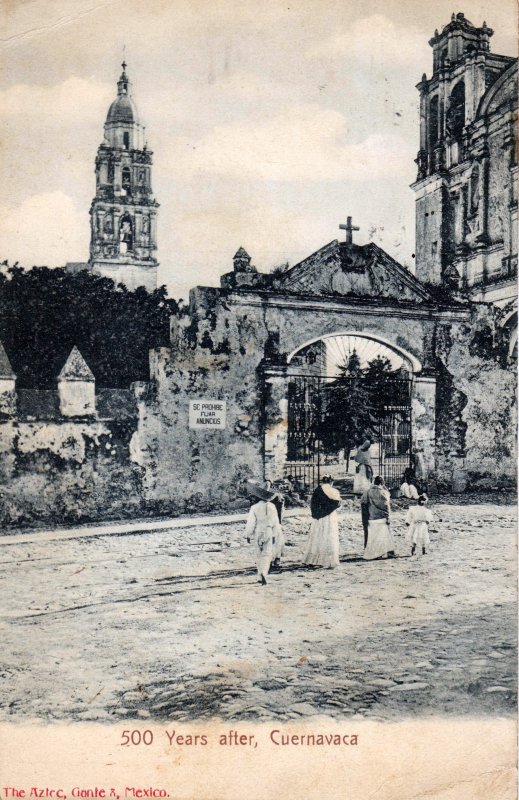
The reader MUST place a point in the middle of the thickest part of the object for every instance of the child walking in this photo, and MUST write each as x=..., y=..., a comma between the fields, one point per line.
x=418, y=519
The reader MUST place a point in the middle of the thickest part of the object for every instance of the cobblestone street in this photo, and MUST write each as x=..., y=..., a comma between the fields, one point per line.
x=172, y=624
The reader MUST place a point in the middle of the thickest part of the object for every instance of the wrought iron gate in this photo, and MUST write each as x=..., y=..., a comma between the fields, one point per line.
x=309, y=399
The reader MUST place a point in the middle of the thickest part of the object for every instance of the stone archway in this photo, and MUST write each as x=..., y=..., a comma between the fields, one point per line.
x=304, y=376
x=385, y=346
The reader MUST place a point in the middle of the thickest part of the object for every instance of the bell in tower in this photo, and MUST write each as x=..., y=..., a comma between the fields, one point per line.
x=123, y=211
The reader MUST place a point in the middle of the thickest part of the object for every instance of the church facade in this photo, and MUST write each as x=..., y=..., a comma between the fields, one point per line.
x=466, y=187
x=123, y=213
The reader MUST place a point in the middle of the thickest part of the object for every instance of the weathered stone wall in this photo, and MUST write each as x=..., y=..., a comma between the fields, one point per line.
x=65, y=471
x=7, y=397
x=141, y=457
x=476, y=405
x=218, y=352
x=234, y=346
x=77, y=398
x=213, y=357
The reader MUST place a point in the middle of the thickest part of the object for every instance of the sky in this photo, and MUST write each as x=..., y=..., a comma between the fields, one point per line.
x=270, y=122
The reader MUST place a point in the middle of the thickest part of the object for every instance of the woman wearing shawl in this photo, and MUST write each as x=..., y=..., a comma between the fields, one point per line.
x=264, y=528
x=375, y=505
x=323, y=542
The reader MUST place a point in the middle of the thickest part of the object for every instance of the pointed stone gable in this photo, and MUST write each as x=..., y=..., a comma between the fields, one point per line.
x=76, y=368
x=6, y=370
x=354, y=270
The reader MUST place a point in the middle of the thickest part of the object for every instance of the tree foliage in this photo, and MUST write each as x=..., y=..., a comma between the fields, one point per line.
x=355, y=402
x=45, y=312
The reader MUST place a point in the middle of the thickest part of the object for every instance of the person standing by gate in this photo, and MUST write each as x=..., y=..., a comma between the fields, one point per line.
x=380, y=542
x=364, y=471
x=263, y=525
x=323, y=542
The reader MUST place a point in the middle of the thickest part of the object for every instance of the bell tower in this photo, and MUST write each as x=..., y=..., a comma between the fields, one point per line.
x=123, y=211
x=453, y=159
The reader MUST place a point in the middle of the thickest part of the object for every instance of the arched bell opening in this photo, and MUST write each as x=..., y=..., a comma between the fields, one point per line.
x=126, y=234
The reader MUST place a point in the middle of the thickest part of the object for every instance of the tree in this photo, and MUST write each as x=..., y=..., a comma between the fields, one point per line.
x=45, y=312
x=345, y=414
x=355, y=403
x=380, y=377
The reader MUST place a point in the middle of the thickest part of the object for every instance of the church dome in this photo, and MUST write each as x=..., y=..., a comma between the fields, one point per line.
x=124, y=110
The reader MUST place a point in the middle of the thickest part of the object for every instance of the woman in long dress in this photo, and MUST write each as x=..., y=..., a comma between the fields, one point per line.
x=323, y=542
x=364, y=471
x=264, y=528
x=381, y=543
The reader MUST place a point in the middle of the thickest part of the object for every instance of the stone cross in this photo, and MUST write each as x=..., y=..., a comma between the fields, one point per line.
x=349, y=228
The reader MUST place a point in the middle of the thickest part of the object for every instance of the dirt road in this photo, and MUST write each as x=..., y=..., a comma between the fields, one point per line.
x=172, y=625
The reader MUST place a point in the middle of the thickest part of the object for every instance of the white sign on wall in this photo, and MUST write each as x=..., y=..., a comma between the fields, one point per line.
x=207, y=414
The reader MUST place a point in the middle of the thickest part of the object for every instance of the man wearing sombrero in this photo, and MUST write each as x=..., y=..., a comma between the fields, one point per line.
x=263, y=527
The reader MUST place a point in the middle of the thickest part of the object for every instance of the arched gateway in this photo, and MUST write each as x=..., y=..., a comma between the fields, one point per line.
x=341, y=388
x=271, y=348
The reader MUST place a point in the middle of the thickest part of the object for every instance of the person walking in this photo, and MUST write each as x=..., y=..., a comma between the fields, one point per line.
x=263, y=526
x=418, y=519
x=323, y=542
x=380, y=543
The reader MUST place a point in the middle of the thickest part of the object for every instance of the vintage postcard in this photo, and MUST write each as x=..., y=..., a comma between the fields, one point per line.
x=258, y=351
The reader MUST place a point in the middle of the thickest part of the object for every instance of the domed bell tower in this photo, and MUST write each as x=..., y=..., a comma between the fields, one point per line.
x=123, y=212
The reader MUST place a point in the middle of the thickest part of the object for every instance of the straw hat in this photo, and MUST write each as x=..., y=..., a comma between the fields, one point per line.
x=262, y=494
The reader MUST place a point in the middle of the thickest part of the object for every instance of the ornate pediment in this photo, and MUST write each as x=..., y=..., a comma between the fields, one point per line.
x=348, y=269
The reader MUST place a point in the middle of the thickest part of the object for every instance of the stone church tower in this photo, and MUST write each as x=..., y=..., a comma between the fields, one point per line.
x=123, y=211
x=466, y=188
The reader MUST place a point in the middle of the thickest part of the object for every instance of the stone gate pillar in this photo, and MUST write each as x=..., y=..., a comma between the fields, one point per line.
x=423, y=416
x=275, y=401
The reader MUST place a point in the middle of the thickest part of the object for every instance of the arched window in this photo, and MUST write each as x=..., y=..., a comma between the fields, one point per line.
x=126, y=234
x=127, y=180
x=433, y=122
x=456, y=111
x=126, y=140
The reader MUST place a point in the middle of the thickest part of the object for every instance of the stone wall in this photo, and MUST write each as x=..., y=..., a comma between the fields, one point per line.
x=7, y=397
x=58, y=471
x=77, y=398
x=139, y=456
x=219, y=351
x=234, y=347
x=200, y=470
x=477, y=406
